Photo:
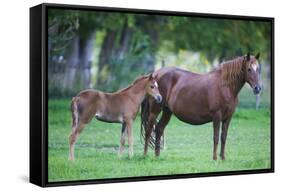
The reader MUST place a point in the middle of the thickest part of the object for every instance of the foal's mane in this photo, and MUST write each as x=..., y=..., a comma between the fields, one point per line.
x=232, y=69
x=132, y=84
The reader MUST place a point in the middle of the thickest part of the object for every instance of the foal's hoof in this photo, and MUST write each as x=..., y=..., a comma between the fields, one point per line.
x=119, y=156
x=215, y=158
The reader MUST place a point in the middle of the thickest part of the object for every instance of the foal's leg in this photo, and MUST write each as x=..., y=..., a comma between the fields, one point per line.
x=130, y=137
x=216, y=126
x=122, y=140
x=225, y=125
x=165, y=118
x=73, y=138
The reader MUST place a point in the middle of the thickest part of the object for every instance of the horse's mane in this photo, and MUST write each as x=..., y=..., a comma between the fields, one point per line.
x=132, y=84
x=232, y=69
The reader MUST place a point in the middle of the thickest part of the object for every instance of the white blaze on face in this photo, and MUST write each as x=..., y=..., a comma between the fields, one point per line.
x=155, y=84
x=255, y=66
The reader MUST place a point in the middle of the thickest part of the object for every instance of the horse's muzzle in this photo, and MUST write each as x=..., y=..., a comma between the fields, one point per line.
x=158, y=98
x=257, y=89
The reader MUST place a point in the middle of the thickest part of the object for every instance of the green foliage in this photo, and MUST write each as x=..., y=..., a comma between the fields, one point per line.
x=189, y=148
x=62, y=28
x=219, y=37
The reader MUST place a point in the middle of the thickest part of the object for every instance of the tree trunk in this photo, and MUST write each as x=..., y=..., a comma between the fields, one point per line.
x=149, y=59
x=124, y=43
x=73, y=63
x=105, y=55
x=86, y=59
x=113, y=52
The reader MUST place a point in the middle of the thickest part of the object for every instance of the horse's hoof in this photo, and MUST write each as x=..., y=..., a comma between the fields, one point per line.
x=144, y=152
x=222, y=156
x=157, y=153
x=215, y=158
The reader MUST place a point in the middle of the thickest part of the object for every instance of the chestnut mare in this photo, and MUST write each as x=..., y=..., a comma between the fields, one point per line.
x=199, y=98
x=118, y=107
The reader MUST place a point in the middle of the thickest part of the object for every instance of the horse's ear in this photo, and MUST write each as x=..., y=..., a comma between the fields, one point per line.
x=257, y=56
x=248, y=56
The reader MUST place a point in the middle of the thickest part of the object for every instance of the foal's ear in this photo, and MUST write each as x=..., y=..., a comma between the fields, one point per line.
x=257, y=56
x=150, y=77
x=248, y=56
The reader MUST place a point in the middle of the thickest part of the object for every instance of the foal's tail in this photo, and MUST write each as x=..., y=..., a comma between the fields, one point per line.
x=144, y=122
x=75, y=113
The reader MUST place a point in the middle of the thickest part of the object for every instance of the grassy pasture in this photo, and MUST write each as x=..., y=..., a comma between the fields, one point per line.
x=189, y=148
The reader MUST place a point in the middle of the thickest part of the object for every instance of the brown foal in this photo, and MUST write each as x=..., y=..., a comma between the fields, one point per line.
x=119, y=107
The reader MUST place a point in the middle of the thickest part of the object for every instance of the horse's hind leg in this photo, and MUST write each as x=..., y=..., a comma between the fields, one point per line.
x=77, y=126
x=165, y=118
x=73, y=138
x=148, y=131
x=83, y=109
x=225, y=125
x=216, y=126
x=122, y=139
x=153, y=114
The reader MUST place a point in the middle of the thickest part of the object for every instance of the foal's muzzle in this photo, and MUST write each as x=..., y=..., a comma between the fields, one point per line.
x=158, y=98
x=257, y=89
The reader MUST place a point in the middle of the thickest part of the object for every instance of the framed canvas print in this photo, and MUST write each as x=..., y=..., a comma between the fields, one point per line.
x=131, y=95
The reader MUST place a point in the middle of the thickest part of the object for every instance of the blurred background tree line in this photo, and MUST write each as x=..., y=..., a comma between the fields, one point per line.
x=108, y=50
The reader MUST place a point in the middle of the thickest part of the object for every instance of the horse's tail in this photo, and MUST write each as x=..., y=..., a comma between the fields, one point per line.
x=144, y=122
x=75, y=113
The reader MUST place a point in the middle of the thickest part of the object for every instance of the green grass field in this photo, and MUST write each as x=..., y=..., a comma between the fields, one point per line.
x=188, y=148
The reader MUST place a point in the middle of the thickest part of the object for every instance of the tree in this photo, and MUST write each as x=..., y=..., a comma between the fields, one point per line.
x=129, y=44
x=71, y=42
x=128, y=50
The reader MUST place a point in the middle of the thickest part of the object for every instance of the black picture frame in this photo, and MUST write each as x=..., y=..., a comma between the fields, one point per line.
x=39, y=95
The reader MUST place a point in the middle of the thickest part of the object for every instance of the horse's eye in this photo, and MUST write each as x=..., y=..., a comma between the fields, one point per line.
x=249, y=69
x=151, y=87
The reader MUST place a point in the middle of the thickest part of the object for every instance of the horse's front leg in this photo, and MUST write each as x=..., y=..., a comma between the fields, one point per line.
x=216, y=126
x=225, y=125
x=122, y=139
